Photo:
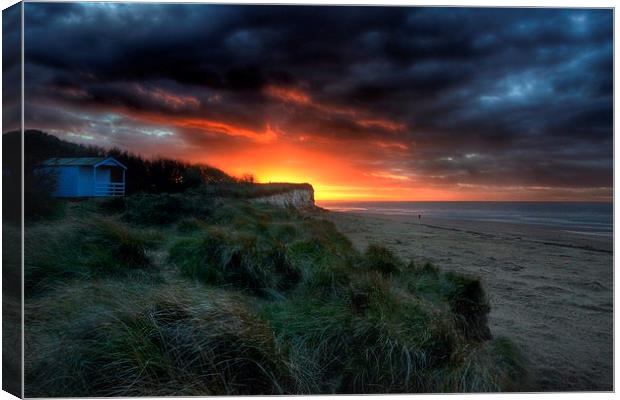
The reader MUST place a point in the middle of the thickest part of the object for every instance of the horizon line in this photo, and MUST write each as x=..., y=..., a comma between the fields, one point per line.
x=464, y=201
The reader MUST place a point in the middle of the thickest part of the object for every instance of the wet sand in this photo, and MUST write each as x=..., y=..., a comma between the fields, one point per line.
x=551, y=291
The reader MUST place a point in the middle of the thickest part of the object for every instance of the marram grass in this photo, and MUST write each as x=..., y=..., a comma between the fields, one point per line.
x=232, y=297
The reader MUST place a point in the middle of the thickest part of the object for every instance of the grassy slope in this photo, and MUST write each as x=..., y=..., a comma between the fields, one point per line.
x=191, y=295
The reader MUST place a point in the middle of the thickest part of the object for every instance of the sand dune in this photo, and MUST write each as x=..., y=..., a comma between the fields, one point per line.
x=551, y=291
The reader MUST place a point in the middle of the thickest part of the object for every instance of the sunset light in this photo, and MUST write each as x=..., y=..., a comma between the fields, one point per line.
x=373, y=116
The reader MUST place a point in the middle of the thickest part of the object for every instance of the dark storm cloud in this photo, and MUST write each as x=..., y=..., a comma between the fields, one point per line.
x=484, y=96
x=11, y=71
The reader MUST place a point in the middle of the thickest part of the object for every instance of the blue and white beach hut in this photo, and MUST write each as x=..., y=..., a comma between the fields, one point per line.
x=86, y=176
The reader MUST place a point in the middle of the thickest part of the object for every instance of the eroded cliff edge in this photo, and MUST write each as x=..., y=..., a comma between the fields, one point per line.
x=299, y=196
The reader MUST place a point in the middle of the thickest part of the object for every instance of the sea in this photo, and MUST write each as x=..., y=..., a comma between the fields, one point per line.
x=576, y=217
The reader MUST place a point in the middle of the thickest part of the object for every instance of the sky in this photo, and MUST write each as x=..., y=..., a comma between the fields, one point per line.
x=365, y=103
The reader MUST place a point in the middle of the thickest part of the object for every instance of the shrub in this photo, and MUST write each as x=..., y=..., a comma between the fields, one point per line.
x=463, y=295
x=509, y=363
x=153, y=209
x=394, y=345
x=469, y=303
x=492, y=366
x=221, y=257
x=50, y=255
x=369, y=289
x=99, y=248
x=235, y=213
x=284, y=232
x=381, y=259
x=425, y=269
x=190, y=224
x=398, y=349
x=325, y=272
x=327, y=280
x=318, y=333
x=325, y=232
x=112, y=205
x=39, y=203
x=114, y=247
x=163, y=209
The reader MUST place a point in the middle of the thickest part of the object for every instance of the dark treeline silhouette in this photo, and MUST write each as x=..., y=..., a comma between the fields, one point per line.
x=157, y=176
x=143, y=175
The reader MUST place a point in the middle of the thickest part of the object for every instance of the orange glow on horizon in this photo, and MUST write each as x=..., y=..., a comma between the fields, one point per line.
x=339, y=169
x=336, y=169
x=332, y=176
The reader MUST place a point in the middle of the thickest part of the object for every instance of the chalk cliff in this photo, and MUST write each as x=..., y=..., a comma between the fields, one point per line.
x=300, y=198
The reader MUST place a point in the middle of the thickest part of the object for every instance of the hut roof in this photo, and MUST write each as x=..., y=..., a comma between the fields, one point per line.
x=79, y=161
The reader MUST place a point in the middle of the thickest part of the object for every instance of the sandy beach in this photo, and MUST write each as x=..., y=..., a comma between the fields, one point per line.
x=551, y=291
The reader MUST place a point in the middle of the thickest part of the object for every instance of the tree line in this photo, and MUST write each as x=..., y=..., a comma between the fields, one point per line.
x=160, y=175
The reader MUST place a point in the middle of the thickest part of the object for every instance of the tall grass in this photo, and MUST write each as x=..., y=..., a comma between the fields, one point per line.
x=464, y=296
x=151, y=341
x=253, y=299
x=221, y=257
x=83, y=250
x=382, y=259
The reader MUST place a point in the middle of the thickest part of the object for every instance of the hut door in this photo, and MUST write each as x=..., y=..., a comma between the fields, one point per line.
x=116, y=175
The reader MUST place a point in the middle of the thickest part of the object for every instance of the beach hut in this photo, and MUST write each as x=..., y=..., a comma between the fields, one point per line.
x=86, y=176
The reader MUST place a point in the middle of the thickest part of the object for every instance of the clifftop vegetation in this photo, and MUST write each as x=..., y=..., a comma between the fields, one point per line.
x=181, y=294
x=204, y=291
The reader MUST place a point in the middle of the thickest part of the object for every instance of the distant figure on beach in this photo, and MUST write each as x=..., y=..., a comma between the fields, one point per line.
x=419, y=216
